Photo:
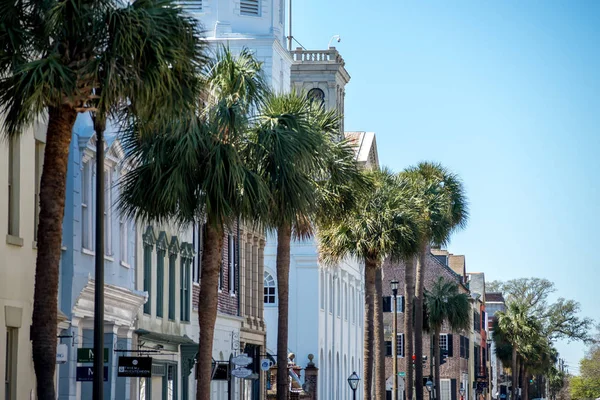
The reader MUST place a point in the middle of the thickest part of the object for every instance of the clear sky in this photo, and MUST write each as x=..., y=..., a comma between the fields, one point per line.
x=504, y=93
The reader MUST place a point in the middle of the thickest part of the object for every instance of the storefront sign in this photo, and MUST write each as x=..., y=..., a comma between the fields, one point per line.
x=135, y=367
x=242, y=360
x=241, y=372
x=86, y=355
x=86, y=374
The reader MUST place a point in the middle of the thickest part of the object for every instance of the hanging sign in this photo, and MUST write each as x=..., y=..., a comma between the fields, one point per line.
x=86, y=374
x=62, y=352
x=241, y=360
x=135, y=367
x=86, y=355
x=241, y=372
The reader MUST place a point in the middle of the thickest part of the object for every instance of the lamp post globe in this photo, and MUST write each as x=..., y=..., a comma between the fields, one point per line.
x=429, y=386
x=353, y=382
x=394, y=287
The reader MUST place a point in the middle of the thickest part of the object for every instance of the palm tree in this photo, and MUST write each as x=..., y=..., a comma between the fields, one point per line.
x=517, y=327
x=442, y=208
x=192, y=167
x=381, y=225
x=445, y=304
x=55, y=57
x=302, y=166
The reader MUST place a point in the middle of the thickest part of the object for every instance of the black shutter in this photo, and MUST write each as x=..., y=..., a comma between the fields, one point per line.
x=387, y=304
x=388, y=348
x=388, y=395
x=401, y=303
x=450, y=346
x=403, y=345
x=452, y=389
x=467, y=350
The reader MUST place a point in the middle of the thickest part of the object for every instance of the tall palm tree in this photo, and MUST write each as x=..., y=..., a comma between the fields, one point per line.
x=55, y=55
x=380, y=225
x=445, y=304
x=192, y=167
x=409, y=290
x=442, y=208
x=302, y=166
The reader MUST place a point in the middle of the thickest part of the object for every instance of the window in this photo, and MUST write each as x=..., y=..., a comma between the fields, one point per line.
x=221, y=276
x=124, y=245
x=14, y=172
x=193, y=6
x=388, y=304
x=250, y=7
x=232, y=263
x=269, y=289
x=400, y=344
x=464, y=347
x=10, y=370
x=322, y=284
x=445, y=389
x=476, y=321
x=160, y=279
x=198, y=246
x=317, y=96
x=172, y=266
x=185, y=289
x=444, y=341
x=148, y=276
x=86, y=212
x=39, y=162
x=107, y=211
x=388, y=348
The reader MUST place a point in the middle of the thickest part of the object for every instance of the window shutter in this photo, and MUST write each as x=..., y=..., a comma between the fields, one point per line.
x=388, y=348
x=467, y=350
x=402, y=353
x=387, y=304
x=249, y=7
x=450, y=346
x=453, y=389
x=191, y=5
x=401, y=303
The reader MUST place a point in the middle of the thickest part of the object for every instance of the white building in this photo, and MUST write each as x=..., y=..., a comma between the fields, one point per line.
x=21, y=161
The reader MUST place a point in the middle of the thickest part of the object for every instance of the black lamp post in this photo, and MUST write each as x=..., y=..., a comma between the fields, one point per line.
x=429, y=386
x=394, y=286
x=353, y=382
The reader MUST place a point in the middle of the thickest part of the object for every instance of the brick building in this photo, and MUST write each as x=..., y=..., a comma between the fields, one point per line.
x=454, y=373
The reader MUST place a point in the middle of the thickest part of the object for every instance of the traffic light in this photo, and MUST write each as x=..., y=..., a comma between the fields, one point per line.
x=414, y=359
x=424, y=361
x=443, y=356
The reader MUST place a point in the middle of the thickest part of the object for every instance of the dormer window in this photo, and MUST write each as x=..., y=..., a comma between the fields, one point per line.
x=250, y=7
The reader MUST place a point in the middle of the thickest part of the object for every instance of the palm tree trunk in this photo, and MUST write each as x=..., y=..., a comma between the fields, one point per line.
x=515, y=373
x=420, y=282
x=379, y=344
x=368, y=359
x=409, y=296
x=284, y=238
x=207, y=305
x=49, y=242
x=436, y=360
x=525, y=394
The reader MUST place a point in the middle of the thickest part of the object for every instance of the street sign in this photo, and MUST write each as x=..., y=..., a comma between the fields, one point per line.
x=265, y=364
x=86, y=355
x=135, y=367
x=241, y=372
x=402, y=374
x=241, y=360
x=86, y=374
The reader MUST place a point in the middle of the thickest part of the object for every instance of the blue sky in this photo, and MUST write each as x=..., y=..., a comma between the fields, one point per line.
x=504, y=93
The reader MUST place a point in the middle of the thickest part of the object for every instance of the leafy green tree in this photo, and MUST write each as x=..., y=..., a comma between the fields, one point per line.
x=294, y=151
x=193, y=166
x=587, y=384
x=381, y=225
x=55, y=58
x=559, y=319
x=445, y=304
x=441, y=206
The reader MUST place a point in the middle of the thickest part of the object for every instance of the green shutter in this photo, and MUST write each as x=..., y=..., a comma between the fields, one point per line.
x=182, y=290
x=147, y=278
x=160, y=282
x=172, y=266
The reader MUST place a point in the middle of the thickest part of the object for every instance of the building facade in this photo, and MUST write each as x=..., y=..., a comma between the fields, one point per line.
x=21, y=161
x=454, y=374
x=76, y=282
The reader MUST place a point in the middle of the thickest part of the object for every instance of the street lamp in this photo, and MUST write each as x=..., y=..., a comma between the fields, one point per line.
x=429, y=386
x=353, y=382
x=394, y=286
x=462, y=391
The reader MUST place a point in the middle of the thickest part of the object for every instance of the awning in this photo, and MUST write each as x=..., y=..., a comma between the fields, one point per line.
x=164, y=338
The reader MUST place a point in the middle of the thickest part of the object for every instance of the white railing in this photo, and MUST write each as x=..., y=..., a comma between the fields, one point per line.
x=317, y=56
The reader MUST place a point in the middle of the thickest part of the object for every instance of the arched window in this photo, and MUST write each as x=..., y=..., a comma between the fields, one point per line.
x=269, y=288
x=316, y=95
